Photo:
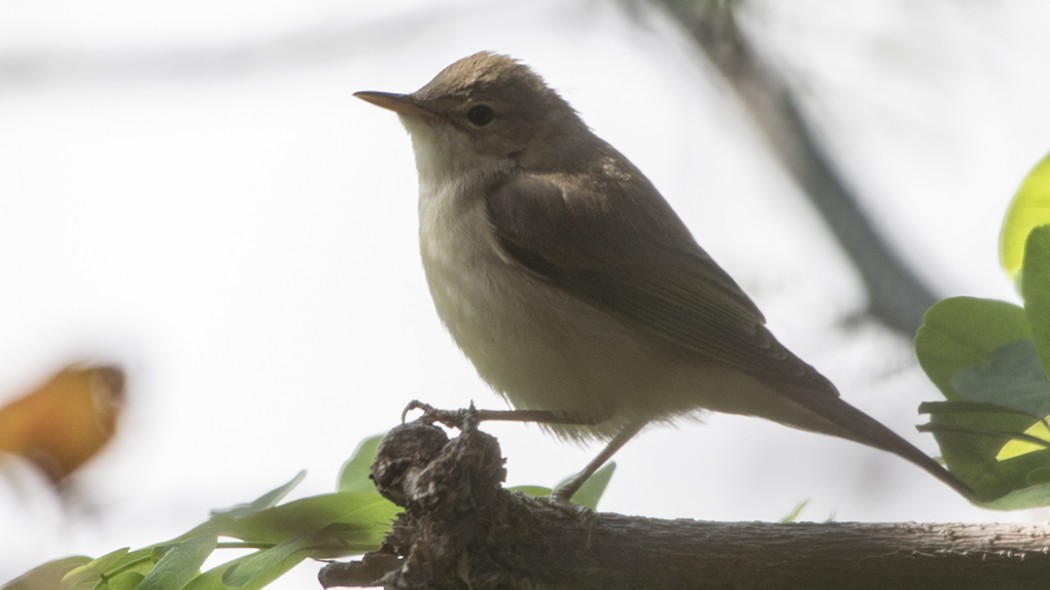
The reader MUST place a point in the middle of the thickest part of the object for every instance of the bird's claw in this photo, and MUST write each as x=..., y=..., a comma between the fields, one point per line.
x=462, y=419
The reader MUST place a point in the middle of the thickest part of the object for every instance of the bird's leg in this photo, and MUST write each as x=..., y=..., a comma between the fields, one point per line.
x=432, y=415
x=458, y=418
x=566, y=491
x=469, y=418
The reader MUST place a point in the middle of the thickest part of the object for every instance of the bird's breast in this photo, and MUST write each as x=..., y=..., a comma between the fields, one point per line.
x=530, y=341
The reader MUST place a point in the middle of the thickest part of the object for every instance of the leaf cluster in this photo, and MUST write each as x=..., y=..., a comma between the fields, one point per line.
x=350, y=521
x=990, y=359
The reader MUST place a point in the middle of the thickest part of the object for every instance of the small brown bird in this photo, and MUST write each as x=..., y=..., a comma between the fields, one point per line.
x=575, y=289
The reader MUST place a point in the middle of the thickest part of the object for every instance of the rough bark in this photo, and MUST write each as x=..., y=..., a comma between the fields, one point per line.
x=461, y=529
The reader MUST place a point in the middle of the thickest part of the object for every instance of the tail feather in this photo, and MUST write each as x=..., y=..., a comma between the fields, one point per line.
x=843, y=420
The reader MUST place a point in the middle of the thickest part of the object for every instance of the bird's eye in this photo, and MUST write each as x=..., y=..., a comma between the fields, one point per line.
x=480, y=115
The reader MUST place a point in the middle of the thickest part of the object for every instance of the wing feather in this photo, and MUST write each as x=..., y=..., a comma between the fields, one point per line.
x=575, y=237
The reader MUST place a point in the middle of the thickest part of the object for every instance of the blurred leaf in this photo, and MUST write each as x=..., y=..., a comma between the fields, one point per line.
x=962, y=332
x=89, y=574
x=262, y=567
x=129, y=580
x=66, y=421
x=1029, y=209
x=213, y=578
x=1013, y=378
x=267, y=500
x=971, y=435
x=795, y=512
x=356, y=474
x=319, y=527
x=589, y=494
x=179, y=564
x=591, y=491
x=1019, y=446
x=363, y=520
x=1036, y=285
x=535, y=491
x=47, y=576
x=111, y=564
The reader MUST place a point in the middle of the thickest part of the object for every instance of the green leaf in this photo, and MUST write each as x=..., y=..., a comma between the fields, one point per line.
x=325, y=526
x=129, y=580
x=363, y=520
x=1036, y=288
x=267, y=500
x=587, y=496
x=88, y=576
x=795, y=512
x=963, y=332
x=1012, y=378
x=1030, y=208
x=534, y=491
x=971, y=435
x=1035, y=496
x=97, y=574
x=320, y=527
x=355, y=476
x=213, y=578
x=590, y=493
x=180, y=564
x=263, y=567
x=47, y=576
x=1039, y=441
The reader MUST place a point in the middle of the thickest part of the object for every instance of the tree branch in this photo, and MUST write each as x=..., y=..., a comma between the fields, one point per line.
x=460, y=529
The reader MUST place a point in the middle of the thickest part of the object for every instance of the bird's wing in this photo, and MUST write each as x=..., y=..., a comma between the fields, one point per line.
x=627, y=253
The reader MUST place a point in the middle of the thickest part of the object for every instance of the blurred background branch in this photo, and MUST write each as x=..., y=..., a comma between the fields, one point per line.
x=897, y=297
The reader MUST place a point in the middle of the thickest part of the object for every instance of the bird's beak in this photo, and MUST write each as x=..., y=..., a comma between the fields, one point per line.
x=402, y=104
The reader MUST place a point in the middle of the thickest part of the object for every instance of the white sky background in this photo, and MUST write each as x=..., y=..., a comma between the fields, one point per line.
x=191, y=190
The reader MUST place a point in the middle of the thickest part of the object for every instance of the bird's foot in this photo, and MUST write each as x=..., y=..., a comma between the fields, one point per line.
x=462, y=419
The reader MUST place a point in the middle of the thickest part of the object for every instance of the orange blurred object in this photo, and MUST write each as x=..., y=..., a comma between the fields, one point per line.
x=64, y=422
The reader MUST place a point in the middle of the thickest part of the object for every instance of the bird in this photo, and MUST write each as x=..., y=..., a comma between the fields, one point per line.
x=66, y=421
x=574, y=288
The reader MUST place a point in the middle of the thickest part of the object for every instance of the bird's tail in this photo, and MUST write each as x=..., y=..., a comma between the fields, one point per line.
x=840, y=419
